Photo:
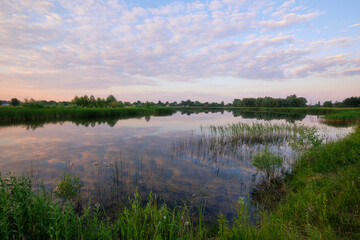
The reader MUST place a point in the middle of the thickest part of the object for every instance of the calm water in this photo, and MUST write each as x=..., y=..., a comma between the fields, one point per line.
x=144, y=154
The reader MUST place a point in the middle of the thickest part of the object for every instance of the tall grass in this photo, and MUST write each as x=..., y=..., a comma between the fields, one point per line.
x=236, y=143
x=10, y=115
x=28, y=215
x=322, y=200
x=239, y=133
x=342, y=118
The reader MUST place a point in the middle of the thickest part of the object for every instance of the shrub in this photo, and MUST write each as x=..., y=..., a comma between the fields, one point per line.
x=267, y=162
x=305, y=138
x=69, y=187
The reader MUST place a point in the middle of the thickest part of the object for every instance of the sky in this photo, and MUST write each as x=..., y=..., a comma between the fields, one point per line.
x=213, y=50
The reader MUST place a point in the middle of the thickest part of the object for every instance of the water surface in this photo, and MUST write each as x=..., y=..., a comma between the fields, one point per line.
x=144, y=154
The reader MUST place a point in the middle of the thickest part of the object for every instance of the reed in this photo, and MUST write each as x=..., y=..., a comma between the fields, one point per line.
x=345, y=116
x=11, y=115
x=239, y=133
x=322, y=197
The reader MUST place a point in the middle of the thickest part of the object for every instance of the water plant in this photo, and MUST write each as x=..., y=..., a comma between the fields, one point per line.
x=343, y=118
x=236, y=141
x=305, y=138
x=239, y=133
x=69, y=187
x=267, y=162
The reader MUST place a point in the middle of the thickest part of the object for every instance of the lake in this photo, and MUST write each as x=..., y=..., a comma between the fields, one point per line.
x=156, y=154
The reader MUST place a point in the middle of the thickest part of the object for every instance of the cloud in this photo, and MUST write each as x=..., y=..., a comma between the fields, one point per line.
x=102, y=44
x=354, y=25
x=288, y=19
x=331, y=66
x=336, y=42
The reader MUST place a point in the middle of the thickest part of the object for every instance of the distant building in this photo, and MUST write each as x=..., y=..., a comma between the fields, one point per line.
x=4, y=103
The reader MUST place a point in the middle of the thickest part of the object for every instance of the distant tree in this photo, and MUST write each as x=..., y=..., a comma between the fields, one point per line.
x=173, y=104
x=294, y=101
x=352, y=102
x=291, y=100
x=92, y=101
x=52, y=102
x=147, y=104
x=100, y=103
x=33, y=104
x=14, y=102
x=258, y=102
x=301, y=102
x=112, y=104
x=338, y=104
x=197, y=103
x=237, y=103
x=120, y=104
x=327, y=104
x=249, y=102
x=110, y=99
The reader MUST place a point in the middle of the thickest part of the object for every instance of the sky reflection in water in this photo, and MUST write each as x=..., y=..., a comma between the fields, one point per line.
x=137, y=154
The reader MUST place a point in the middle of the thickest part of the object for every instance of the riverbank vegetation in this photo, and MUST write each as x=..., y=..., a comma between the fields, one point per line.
x=28, y=215
x=320, y=201
x=11, y=115
x=343, y=118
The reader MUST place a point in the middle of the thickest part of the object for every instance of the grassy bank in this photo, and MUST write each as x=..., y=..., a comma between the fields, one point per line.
x=322, y=200
x=343, y=118
x=12, y=115
x=296, y=110
x=24, y=215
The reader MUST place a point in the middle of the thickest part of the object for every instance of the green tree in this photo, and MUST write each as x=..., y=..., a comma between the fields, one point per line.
x=237, y=103
x=92, y=101
x=327, y=104
x=110, y=99
x=249, y=102
x=352, y=102
x=14, y=102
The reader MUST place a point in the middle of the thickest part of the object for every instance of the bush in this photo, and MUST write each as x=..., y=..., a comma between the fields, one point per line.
x=267, y=162
x=305, y=138
x=69, y=188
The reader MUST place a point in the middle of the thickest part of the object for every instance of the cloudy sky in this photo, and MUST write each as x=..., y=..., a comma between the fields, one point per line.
x=154, y=50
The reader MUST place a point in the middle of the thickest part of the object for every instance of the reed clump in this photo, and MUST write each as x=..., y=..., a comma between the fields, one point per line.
x=343, y=118
x=239, y=133
x=11, y=115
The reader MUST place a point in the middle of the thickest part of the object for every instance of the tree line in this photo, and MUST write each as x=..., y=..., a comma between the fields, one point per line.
x=290, y=101
x=111, y=102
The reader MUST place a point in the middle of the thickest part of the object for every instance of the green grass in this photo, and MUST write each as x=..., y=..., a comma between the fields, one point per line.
x=25, y=215
x=11, y=115
x=322, y=200
x=228, y=140
x=343, y=118
x=239, y=133
x=297, y=110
